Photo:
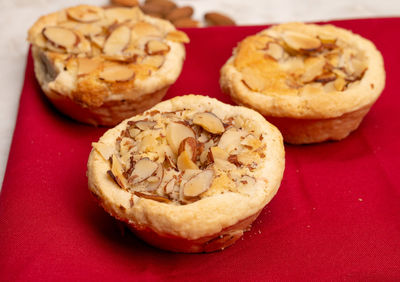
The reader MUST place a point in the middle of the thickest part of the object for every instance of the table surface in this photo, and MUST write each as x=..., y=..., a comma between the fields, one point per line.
x=17, y=16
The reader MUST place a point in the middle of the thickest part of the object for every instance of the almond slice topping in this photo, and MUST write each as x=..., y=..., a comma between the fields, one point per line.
x=313, y=67
x=275, y=51
x=121, y=14
x=104, y=150
x=199, y=183
x=301, y=41
x=144, y=168
x=210, y=122
x=117, y=41
x=184, y=162
x=156, y=47
x=178, y=36
x=145, y=124
x=176, y=132
x=153, y=197
x=116, y=172
x=117, y=73
x=155, y=61
x=190, y=146
x=60, y=37
x=230, y=140
x=85, y=13
x=87, y=65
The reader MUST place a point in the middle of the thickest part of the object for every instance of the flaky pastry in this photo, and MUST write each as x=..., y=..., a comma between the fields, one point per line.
x=102, y=65
x=314, y=82
x=188, y=175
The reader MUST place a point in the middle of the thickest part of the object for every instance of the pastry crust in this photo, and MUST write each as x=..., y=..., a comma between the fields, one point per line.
x=107, y=66
x=298, y=71
x=181, y=220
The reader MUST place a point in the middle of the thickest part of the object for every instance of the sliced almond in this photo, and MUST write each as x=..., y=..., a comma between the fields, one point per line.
x=199, y=183
x=145, y=29
x=251, y=142
x=184, y=162
x=175, y=133
x=210, y=122
x=117, y=172
x=87, y=65
x=169, y=187
x=144, y=124
x=153, y=197
x=178, y=36
x=325, y=78
x=155, y=61
x=218, y=153
x=117, y=41
x=169, y=157
x=156, y=47
x=117, y=73
x=252, y=80
x=340, y=84
x=274, y=51
x=190, y=146
x=301, y=41
x=356, y=67
x=61, y=37
x=313, y=67
x=155, y=180
x=90, y=29
x=85, y=13
x=230, y=140
x=104, y=150
x=144, y=168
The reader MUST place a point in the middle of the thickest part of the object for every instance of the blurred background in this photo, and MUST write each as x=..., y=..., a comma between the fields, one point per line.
x=16, y=16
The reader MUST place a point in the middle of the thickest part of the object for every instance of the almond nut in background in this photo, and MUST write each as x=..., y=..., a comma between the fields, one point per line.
x=126, y=3
x=218, y=19
x=162, y=7
x=186, y=22
x=180, y=13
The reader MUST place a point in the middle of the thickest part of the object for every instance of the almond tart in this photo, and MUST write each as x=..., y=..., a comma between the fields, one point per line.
x=103, y=65
x=190, y=174
x=314, y=82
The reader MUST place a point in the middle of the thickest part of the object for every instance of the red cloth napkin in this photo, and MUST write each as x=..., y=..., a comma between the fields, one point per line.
x=335, y=217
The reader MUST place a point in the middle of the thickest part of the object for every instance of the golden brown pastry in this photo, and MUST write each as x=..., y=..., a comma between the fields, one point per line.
x=188, y=175
x=102, y=65
x=314, y=82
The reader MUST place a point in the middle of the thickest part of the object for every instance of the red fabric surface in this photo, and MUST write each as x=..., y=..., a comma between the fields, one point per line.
x=335, y=217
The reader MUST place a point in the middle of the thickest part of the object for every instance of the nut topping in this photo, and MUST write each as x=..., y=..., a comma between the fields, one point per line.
x=117, y=73
x=301, y=41
x=190, y=146
x=184, y=162
x=274, y=51
x=199, y=183
x=61, y=37
x=144, y=168
x=85, y=13
x=156, y=47
x=117, y=41
x=86, y=65
x=209, y=122
x=176, y=132
x=178, y=36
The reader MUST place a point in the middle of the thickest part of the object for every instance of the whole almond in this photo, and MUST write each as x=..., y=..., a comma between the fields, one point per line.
x=166, y=6
x=218, y=19
x=180, y=13
x=126, y=3
x=186, y=22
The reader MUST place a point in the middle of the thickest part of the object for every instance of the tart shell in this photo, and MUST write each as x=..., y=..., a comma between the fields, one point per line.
x=209, y=224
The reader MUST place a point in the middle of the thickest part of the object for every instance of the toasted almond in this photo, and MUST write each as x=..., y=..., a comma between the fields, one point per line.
x=252, y=81
x=117, y=41
x=251, y=142
x=186, y=23
x=274, y=51
x=87, y=65
x=104, y=150
x=218, y=19
x=144, y=124
x=117, y=73
x=143, y=169
x=169, y=157
x=169, y=187
x=143, y=29
x=153, y=197
x=210, y=122
x=313, y=68
x=175, y=133
x=117, y=172
x=177, y=36
x=356, y=67
x=60, y=37
x=190, y=146
x=179, y=13
x=184, y=162
x=325, y=78
x=199, y=183
x=218, y=153
x=126, y=3
x=339, y=84
x=90, y=29
x=156, y=47
x=230, y=140
x=85, y=13
x=155, y=61
x=301, y=41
